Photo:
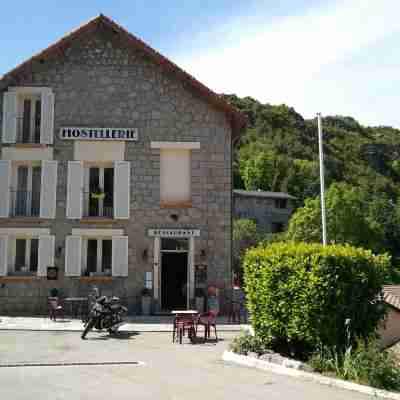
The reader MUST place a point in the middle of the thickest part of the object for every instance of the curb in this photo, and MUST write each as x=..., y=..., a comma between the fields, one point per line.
x=72, y=364
x=252, y=362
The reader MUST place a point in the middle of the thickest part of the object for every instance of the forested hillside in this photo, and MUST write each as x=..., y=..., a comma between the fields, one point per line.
x=279, y=152
x=282, y=142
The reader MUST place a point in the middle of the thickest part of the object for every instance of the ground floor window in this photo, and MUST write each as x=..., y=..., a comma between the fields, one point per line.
x=98, y=256
x=26, y=255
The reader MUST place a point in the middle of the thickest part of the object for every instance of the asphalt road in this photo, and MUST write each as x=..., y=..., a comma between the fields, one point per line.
x=170, y=371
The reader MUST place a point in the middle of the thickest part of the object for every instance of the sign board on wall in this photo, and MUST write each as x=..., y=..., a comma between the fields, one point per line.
x=82, y=133
x=174, y=233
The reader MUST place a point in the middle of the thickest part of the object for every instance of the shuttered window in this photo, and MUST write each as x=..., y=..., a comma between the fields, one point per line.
x=175, y=176
x=28, y=115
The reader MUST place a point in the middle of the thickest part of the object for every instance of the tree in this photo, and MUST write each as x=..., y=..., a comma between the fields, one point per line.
x=245, y=235
x=348, y=217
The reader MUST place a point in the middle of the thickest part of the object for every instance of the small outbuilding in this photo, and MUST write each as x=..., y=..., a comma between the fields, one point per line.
x=389, y=330
x=271, y=211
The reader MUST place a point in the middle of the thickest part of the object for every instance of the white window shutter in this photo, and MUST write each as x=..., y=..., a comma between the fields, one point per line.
x=47, y=118
x=120, y=256
x=46, y=254
x=75, y=190
x=3, y=255
x=122, y=174
x=48, y=189
x=5, y=183
x=73, y=259
x=9, y=117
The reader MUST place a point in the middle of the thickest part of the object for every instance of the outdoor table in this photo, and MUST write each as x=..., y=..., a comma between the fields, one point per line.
x=76, y=304
x=190, y=314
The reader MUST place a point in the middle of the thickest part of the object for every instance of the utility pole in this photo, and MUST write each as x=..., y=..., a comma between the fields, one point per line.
x=321, y=173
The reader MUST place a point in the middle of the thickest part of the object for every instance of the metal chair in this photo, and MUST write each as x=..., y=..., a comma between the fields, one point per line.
x=55, y=308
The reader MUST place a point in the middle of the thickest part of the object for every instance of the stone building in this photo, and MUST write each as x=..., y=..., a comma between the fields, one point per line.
x=271, y=211
x=116, y=170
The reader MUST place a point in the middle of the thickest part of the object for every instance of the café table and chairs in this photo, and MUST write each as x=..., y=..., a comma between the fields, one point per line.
x=185, y=322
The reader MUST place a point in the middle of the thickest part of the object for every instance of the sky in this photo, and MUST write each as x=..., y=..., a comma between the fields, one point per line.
x=332, y=56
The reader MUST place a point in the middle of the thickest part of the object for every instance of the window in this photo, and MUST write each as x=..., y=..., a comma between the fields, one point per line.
x=277, y=227
x=281, y=203
x=26, y=196
x=28, y=115
x=98, y=257
x=29, y=118
x=99, y=192
x=175, y=177
x=26, y=255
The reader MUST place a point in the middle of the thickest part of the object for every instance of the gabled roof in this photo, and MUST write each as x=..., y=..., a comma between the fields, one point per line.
x=237, y=119
x=260, y=193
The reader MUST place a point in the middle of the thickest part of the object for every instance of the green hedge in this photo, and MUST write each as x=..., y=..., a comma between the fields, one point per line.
x=300, y=295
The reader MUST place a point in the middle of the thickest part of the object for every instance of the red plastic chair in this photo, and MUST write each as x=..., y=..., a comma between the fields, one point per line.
x=208, y=320
x=181, y=325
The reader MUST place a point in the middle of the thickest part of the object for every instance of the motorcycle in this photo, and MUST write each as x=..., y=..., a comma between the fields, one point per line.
x=104, y=313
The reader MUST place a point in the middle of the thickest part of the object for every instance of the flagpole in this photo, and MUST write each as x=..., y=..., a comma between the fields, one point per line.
x=321, y=172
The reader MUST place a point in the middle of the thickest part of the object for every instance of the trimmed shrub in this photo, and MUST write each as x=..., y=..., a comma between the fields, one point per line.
x=300, y=295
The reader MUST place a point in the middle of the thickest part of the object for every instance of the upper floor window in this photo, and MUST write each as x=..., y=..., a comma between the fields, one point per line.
x=29, y=188
x=98, y=189
x=99, y=192
x=281, y=203
x=28, y=115
x=175, y=172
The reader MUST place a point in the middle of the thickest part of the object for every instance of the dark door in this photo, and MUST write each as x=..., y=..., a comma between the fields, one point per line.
x=174, y=281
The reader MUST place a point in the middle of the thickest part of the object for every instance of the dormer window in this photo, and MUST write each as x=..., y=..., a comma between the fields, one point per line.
x=28, y=115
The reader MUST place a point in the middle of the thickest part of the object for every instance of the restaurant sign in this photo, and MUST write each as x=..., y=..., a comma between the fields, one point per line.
x=82, y=133
x=173, y=233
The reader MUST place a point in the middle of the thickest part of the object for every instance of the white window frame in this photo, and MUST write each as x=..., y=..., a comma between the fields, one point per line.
x=29, y=180
x=85, y=240
x=33, y=97
x=86, y=188
x=13, y=248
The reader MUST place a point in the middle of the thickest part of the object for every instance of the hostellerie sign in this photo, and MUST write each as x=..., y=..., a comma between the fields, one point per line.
x=79, y=133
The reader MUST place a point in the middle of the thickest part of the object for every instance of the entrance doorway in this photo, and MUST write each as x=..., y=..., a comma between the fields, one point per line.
x=174, y=274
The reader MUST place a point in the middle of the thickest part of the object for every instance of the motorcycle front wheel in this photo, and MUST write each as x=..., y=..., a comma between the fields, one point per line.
x=88, y=327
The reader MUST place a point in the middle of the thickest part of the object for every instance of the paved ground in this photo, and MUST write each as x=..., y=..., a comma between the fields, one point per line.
x=133, y=324
x=171, y=371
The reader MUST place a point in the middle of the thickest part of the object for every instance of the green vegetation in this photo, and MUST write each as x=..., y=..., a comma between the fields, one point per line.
x=279, y=152
x=364, y=363
x=300, y=295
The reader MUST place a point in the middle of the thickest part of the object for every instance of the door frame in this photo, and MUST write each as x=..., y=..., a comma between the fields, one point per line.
x=162, y=252
x=157, y=268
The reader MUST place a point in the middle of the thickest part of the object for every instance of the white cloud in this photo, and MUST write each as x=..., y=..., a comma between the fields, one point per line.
x=300, y=60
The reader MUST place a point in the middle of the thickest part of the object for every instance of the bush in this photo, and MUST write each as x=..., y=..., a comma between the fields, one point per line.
x=365, y=364
x=300, y=295
x=245, y=343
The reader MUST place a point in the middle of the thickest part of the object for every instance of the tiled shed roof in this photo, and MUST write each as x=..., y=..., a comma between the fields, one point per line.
x=266, y=194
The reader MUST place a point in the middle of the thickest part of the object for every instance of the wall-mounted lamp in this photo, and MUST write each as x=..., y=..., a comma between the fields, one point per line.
x=145, y=255
x=202, y=254
x=58, y=251
x=174, y=217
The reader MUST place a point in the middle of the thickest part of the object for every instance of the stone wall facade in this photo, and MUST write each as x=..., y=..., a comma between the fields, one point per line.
x=262, y=210
x=100, y=81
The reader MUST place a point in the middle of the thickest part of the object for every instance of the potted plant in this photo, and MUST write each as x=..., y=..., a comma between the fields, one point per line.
x=146, y=301
x=199, y=295
x=97, y=194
